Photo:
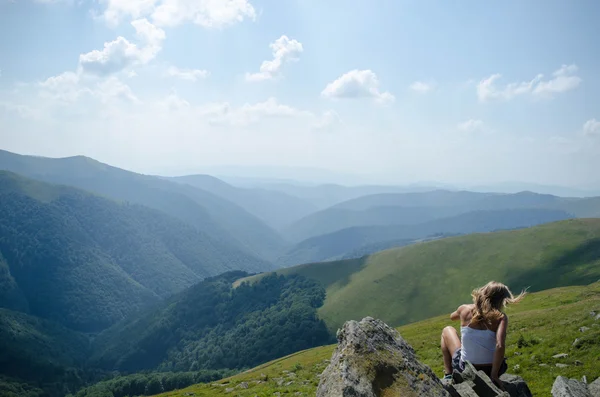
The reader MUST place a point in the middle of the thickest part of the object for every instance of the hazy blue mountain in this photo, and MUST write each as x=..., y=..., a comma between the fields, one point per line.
x=220, y=218
x=275, y=208
x=86, y=261
x=419, y=207
x=341, y=243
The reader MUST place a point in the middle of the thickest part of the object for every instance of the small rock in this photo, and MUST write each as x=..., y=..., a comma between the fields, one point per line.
x=543, y=365
x=576, y=342
x=584, y=379
x=290, y=383
x=583, y=329
x=592, y=314
x=577, y=362
x=517, y=367
x=229, y=390
x=518, y=353
x=243, y=385
x=559, y=365
x=561, y=355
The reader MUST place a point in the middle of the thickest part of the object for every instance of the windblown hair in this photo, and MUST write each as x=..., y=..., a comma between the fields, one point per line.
x=489, y=301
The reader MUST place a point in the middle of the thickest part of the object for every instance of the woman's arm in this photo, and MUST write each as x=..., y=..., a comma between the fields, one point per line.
x=455, y=316
x=500, y=349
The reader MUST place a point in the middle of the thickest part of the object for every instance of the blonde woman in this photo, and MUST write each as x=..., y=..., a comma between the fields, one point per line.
x=483, y=328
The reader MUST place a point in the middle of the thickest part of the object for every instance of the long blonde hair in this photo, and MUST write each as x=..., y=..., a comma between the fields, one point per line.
x=489, y=301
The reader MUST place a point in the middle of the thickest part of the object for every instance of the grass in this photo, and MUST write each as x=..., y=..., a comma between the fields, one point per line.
x=544, y=324
x=440, y=274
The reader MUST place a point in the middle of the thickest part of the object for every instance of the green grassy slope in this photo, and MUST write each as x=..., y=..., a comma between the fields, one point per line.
x=387, y=283
x=220, y=218
x=86, y=261
x=547, y=323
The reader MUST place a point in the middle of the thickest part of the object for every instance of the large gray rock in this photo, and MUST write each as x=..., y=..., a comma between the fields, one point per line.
x=565, y=387
x=594, y=388
x=373, y=360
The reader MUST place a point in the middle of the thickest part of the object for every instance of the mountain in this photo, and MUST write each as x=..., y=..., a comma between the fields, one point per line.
x=364, y=240
x=275, y=208
x=219, y=218
x=213, y=326
x=419, y=207
x=386, y=285
x=327, y=195
x=87, y=262
x=532, y=340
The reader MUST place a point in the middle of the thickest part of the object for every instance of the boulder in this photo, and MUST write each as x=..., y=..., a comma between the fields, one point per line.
x=594, y=388
x=373, y=360
x=565, y=387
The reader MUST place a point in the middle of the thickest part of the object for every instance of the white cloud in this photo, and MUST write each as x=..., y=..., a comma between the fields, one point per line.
x=564, y=79
x=116, y=10
x=470, y=125
x=113, y=89
x=187, y=74
x=206, y=13
x=284, y=50
x=591, y=128
x=357, y=84
x=422, y=87
x=120, y=53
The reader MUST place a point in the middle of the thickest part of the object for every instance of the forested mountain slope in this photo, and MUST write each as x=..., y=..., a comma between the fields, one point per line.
x=222, y=220
x=87, y=262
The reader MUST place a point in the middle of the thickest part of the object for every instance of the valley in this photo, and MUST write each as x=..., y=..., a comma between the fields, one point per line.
x=116, y=283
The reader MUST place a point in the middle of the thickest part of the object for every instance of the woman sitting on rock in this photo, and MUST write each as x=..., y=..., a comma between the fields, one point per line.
x=483, y=329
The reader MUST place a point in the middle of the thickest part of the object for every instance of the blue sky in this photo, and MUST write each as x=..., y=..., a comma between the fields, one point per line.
x=397, y=91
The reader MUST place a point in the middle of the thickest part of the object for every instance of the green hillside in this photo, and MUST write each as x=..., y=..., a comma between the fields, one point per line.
x=368, y=239
x=221, y=219
x=276, y=209
x=386, y=284
x=87, y=262
x=212, y=326
x=544, y=324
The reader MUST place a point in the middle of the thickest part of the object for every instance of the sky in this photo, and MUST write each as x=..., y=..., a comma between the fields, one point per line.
x=392, y=91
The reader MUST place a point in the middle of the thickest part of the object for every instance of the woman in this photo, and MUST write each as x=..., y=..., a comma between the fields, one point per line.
x=483, y=330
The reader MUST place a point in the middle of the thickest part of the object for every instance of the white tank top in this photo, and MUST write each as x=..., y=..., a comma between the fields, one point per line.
x=478, y=345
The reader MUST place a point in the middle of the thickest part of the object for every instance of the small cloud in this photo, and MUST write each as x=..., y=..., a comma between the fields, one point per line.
x=187, y=74
x=357, y=84
x=470, y=125
x=591, y=128
x=284, y=50
x=422, y=87
x=564, y=79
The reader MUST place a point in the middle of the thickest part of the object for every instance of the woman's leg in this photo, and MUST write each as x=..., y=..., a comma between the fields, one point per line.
x=450, y=342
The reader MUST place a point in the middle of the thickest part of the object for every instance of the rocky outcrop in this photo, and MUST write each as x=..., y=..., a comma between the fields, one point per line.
x=565, y=387
x=373, y=360
x=471, y=382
